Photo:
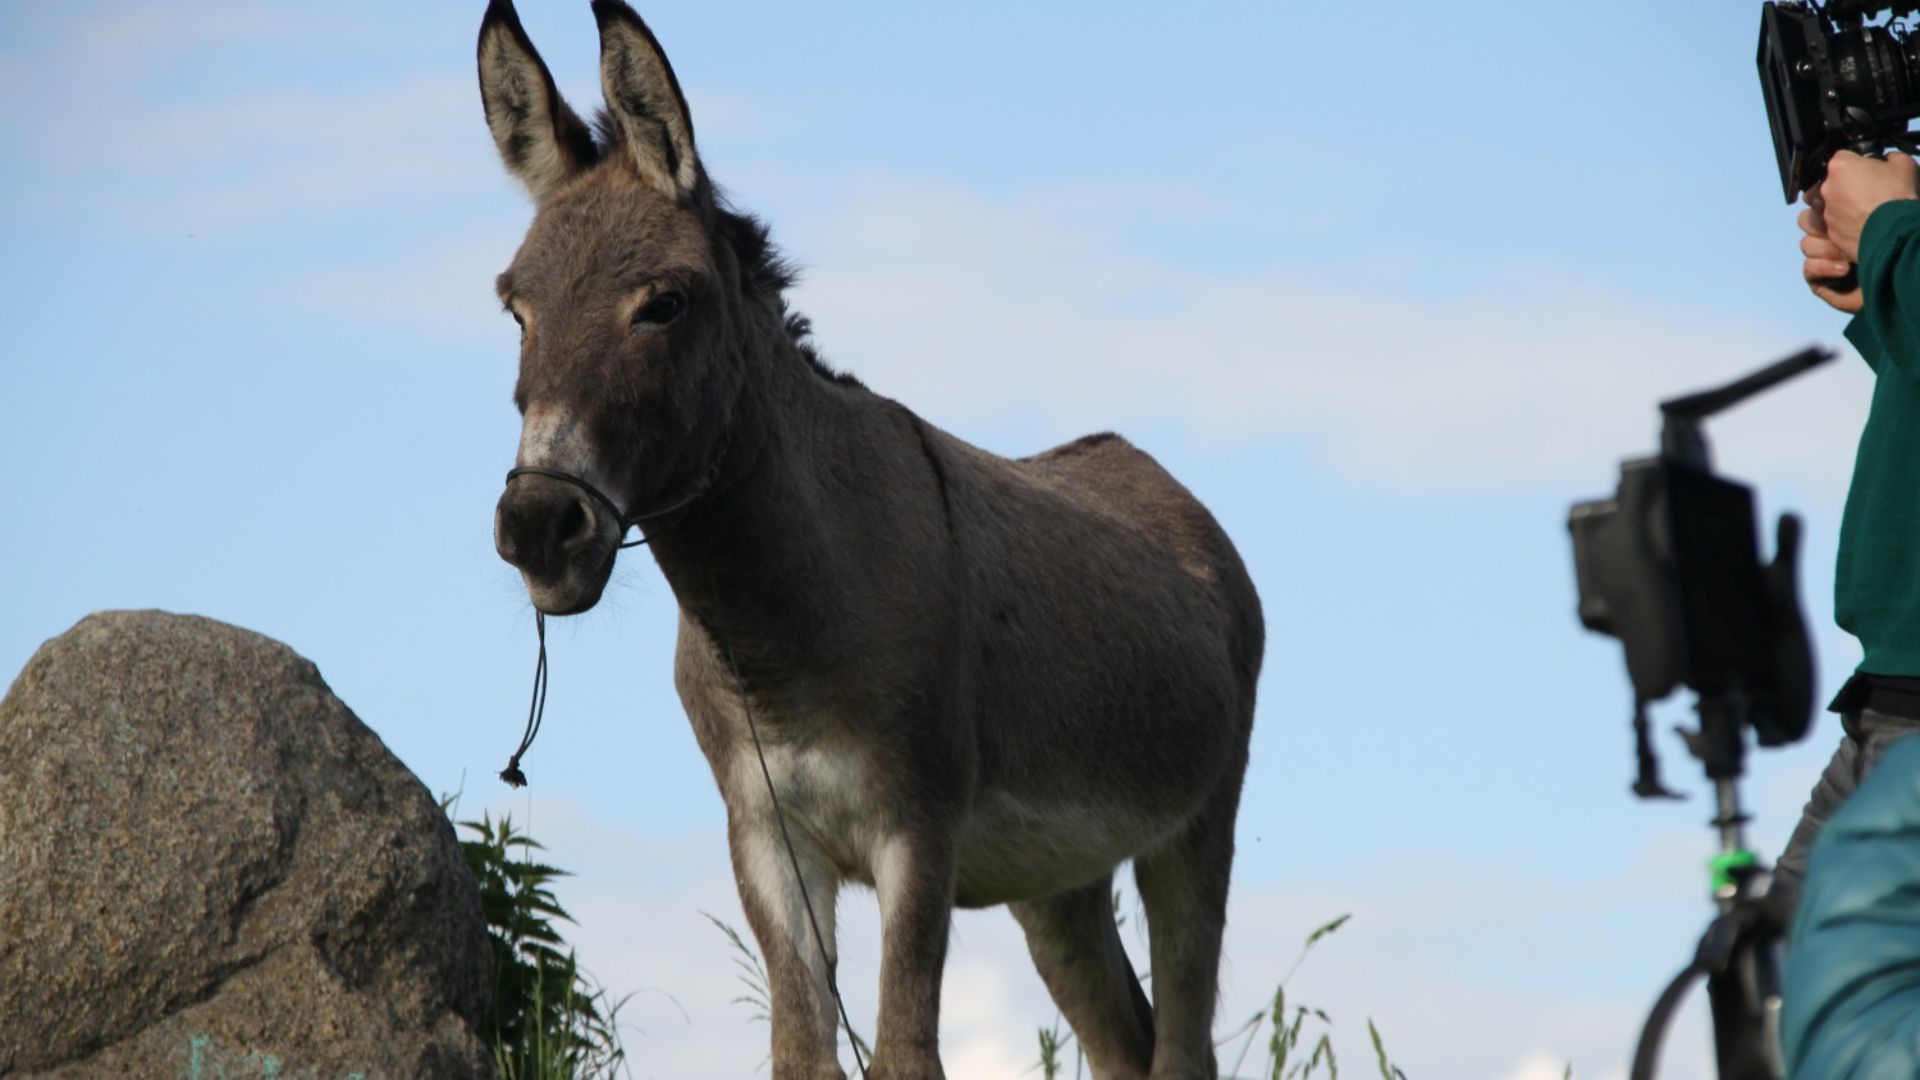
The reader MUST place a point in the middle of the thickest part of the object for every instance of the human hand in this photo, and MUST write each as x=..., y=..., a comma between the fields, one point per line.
x=1855, y=187
x=1826, y=268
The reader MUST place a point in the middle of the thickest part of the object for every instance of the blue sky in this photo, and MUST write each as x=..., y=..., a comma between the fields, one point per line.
x=1388, y=289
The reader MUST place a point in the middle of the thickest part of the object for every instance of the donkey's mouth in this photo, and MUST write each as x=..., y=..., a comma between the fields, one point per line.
x=551, y=607
x=576, y=588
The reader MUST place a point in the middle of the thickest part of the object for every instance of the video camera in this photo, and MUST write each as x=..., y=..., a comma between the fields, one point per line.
x=1834, y=81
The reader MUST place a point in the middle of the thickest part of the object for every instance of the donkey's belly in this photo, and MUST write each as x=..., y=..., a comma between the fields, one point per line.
x=1012, y=849
x=1009, y=848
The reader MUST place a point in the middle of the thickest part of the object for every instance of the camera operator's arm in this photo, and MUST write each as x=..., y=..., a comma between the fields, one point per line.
x=1865, y=212
x=1854, y=188
x=1852, y=1000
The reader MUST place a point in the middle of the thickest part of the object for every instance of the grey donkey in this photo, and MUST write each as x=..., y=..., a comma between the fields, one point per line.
x=978, y=680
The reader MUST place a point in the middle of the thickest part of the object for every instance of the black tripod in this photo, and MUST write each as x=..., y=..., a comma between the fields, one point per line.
x=1671, y=566
x=1740, y=952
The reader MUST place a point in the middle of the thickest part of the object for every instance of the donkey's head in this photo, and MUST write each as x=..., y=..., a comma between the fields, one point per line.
x=628, y=292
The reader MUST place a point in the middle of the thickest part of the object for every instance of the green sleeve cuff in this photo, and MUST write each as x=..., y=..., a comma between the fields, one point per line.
x=1884, y=237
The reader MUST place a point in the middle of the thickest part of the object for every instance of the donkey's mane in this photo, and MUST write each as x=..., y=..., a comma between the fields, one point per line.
x=767, y=273
x=764, y=271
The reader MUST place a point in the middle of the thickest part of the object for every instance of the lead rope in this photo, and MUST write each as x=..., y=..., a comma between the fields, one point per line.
x=535, y=711
x=819, y=939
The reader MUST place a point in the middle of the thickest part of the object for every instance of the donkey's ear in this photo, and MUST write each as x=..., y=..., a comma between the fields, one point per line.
x=541, y=140
x=645, y=101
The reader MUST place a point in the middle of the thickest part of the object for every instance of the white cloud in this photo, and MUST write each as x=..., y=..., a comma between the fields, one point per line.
x=121, y=138
x=126, y=39
x=970, y=307
x=295, y=154
x=975, y=310
x=1544, y=1066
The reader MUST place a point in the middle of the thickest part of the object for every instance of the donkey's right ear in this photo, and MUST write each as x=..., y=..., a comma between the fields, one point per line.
x=541, y=140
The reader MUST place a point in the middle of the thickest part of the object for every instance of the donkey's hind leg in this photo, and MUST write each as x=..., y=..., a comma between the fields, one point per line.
x=1183, y=885
x=1076, y=946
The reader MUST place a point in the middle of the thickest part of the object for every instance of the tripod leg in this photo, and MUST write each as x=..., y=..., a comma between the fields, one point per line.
x=1744, y=994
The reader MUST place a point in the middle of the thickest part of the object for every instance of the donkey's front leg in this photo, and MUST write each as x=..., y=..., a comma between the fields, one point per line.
x=804, y=1020
x=913, y=875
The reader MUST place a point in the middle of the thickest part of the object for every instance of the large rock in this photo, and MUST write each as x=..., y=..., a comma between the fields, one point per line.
x=210, y=867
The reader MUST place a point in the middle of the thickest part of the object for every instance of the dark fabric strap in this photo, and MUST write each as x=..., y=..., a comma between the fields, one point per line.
x=568, y=478
x=1892, y=695
x=624, y=521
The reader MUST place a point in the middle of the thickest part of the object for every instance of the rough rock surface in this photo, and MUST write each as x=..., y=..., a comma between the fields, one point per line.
x=210, y=867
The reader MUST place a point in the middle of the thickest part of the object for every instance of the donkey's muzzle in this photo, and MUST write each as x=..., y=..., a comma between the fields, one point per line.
x=543, y=526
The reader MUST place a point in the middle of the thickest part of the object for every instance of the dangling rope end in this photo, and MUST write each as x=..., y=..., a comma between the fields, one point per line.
x=536, y=709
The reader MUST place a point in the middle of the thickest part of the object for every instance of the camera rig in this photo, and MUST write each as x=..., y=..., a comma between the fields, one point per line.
x=1835, y=81
x=1670, y=566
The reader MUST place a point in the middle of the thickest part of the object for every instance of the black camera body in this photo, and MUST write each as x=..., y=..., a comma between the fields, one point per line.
x=1834, y=81
x=1670, y=565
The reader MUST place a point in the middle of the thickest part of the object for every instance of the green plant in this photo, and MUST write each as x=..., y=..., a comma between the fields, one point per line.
x=753, y=975
x=1288, y=1025
x=1293, y=1024
x=548, y=1020
x=1283, y=1044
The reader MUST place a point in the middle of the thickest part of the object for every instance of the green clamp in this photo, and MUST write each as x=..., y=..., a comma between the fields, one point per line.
x=1723, y=866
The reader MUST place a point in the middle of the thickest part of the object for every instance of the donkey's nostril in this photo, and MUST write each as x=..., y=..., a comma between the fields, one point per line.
x=574, y=527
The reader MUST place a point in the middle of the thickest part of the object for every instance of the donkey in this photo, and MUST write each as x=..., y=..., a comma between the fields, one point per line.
x=977, y=680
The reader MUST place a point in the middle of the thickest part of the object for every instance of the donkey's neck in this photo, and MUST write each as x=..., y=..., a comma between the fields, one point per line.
x=762, y=564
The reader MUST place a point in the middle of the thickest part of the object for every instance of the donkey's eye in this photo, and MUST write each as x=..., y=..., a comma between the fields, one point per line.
x=660, y=310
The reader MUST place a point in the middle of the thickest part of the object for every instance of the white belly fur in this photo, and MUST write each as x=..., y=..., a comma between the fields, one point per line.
x=1009, y=849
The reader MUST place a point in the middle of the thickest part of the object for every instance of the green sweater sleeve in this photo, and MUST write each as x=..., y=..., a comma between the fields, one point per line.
x=1860, y=332
x=1876, y=587
x=1887, y=332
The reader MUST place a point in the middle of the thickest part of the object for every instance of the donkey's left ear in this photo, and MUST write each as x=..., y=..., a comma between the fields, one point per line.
x=645, y=101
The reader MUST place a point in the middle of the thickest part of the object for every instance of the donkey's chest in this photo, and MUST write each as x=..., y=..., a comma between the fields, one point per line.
x=830, y=796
